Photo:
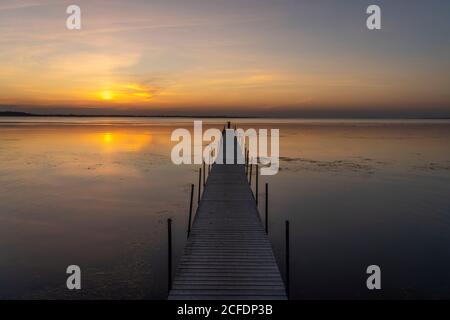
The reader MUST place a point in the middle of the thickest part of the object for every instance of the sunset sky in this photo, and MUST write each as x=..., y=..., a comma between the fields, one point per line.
x=214, y=57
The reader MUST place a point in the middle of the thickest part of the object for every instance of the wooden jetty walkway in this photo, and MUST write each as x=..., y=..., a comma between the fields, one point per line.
x=228, y=254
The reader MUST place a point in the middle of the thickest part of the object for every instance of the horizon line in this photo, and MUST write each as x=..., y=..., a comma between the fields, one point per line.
x=28, y=114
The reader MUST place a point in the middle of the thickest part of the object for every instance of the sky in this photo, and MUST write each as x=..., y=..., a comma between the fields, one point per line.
x=226, y=57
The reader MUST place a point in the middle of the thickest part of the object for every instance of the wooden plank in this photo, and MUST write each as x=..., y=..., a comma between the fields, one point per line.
x=228, y=256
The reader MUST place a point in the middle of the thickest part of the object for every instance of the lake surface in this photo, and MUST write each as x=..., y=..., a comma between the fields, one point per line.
x=96, y=192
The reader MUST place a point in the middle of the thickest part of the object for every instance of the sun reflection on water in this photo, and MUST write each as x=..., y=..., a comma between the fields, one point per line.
x=119, y=142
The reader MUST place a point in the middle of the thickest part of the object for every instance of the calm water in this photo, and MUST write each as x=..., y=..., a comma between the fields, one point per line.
x=97, y=193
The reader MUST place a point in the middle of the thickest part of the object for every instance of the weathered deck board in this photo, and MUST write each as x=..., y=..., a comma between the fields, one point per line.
x=228, y=255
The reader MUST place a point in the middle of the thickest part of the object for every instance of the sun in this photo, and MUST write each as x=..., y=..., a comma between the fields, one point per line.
x=106, y=95
x=107, y=137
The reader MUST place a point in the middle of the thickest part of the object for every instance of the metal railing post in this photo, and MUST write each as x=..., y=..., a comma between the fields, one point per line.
x=245, y=160
x=209, y=164
x=251, y=173
x=248, y=160
x=190, y=210
x=257, y=184
x=169, y=254
x=267, y=208
x=287, y=260
x=204, y=180
x=199, y=184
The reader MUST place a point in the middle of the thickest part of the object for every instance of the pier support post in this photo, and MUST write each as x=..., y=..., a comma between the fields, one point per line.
x=209, y=164
x=169, y=254
x=267, y=208
x=257, y=184
x=287, y=260
x=204, y=180
x=251, y=173
x=199, y=184
x=246, y=164
x=190, y=211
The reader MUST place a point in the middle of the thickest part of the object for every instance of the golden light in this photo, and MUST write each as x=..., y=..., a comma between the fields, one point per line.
x=107, y=95
x=107, y=138
x=111, y=142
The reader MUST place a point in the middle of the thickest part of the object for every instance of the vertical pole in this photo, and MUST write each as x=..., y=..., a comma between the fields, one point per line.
x=224, y=147
x=245, y=157
x=190, y=211
x=199, y=184
x=257, y=184
x=169, y=254
x=287, y=260
x=204, y=180
x=248, y=161
x=245, y=160
x=267, y=208
x=251, y=173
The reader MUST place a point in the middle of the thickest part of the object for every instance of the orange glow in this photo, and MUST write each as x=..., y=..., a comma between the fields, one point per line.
x=144, y=64
x=118, y=142
x=107, y=138
x=106, y=95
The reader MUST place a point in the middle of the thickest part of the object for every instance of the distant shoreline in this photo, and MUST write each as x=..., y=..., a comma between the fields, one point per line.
x=26, y=114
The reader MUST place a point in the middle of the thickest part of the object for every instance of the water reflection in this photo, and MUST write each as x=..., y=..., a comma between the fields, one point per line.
x=87, y=196
x=98, y=195
x=112, y=142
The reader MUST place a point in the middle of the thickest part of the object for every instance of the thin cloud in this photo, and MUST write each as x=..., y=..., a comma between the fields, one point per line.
x=18, y=4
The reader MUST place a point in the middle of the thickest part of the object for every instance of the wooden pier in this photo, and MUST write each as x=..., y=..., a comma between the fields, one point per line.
x=228, y=255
